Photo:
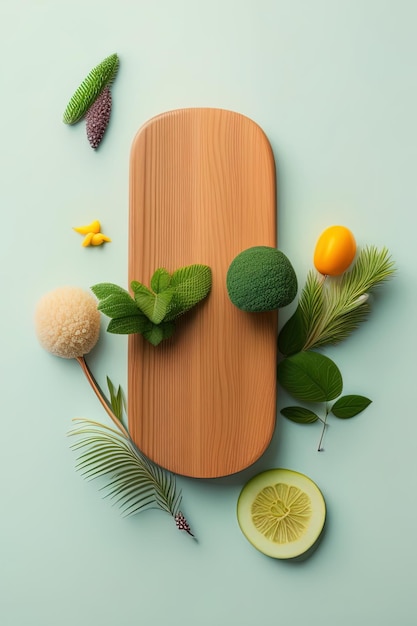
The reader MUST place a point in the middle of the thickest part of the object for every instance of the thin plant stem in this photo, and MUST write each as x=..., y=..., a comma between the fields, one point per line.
x=320, y=448
x=100, y=395
x=180, y=520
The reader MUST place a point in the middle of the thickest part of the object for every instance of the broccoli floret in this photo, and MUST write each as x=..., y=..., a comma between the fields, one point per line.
x=261, y=279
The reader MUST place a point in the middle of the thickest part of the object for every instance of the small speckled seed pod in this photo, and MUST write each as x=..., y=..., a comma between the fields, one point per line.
x=98, y=117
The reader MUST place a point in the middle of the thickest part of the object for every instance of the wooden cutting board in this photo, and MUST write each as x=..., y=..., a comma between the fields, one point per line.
x=202, y=189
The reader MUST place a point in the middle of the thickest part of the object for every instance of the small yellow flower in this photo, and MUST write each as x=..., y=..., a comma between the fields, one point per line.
x=94, y=227
x=98, y=238
x=93, y=236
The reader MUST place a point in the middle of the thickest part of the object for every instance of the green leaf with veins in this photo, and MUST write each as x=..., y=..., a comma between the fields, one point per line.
x=191, y=284
x=153, y=305
x=152, y=311
x=293, y=334
x=310, y=376
x=103, y=290
x=117, y=400
x=299, y=414
x=129, y=325
x=117, y=305
x=349, y=406
x=158, y=332
x=160, y=280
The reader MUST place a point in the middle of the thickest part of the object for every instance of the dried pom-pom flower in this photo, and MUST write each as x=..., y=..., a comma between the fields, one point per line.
x=67, y=322
x=98, y=117
x=68, y=325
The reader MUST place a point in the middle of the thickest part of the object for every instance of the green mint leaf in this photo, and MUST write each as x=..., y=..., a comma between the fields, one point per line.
x=349, y=406
x=299, y=414
x=154, y=306
x=117, y=305
x=293, y=334
x=310, y=376
x=160, y=280
x=114, y=301
x=129, y=325
x=191, y=283
x=103, y=290
x=138, y=287
x=158, y=332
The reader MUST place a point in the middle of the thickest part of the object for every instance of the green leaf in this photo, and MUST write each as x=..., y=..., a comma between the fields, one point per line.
x=103, y=290
x=132, y=481
x=154, y=306
x=117, y=400
x=310, y=376
x=191, y=283
x=129, y=325
x=138, y=287
x=349, y=406
x=292, y=336
x=299, y=414
x=118, y=305
x=160, y=280
x=158, y=332
x=87, y=93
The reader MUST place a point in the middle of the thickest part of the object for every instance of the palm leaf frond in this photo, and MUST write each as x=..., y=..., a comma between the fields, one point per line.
x=133, y=482
x=333, y=309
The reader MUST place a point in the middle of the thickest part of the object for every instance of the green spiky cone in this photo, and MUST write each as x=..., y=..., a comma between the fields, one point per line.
x=87, y=93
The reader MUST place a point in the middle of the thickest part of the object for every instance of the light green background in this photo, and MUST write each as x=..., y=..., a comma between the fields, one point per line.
x=333, y=84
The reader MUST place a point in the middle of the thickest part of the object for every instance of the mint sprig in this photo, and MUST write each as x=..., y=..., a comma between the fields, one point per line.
x=152, y=311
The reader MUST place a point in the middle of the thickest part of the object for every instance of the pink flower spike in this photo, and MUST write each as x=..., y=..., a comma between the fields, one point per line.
x=98, y=117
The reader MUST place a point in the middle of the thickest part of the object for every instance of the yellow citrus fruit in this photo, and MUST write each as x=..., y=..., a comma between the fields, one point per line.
x=282, y=513
x=335, y=251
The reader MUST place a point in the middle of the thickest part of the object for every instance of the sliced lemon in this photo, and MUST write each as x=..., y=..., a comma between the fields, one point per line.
x=281, y=513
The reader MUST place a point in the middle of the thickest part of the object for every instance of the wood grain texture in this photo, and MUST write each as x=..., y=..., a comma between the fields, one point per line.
x=202, y=189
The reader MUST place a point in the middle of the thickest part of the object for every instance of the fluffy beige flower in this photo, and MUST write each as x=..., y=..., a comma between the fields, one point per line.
x=67, y=322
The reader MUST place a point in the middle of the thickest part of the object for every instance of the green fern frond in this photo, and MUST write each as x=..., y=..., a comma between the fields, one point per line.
x=133, y=482
x=87, y=93
x=372, y=268
x=330, y=309
x=311, y=300
x=343, y=303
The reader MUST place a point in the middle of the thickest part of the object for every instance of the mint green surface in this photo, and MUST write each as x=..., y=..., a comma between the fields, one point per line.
x=334, y=86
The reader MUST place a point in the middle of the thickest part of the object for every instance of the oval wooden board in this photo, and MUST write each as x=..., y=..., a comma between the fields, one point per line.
x=202, y=189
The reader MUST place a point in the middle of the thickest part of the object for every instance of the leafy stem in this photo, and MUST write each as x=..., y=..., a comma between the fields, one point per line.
x=330, y=310
x=116, y=419
x=319, y=449
x=152, y=312
x=134, y=482
x=314, y=378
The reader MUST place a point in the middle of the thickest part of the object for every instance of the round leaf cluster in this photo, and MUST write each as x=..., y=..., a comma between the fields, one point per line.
x=261, y=278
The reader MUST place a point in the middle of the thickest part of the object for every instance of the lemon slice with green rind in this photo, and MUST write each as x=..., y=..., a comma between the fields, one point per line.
x=282, y=513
